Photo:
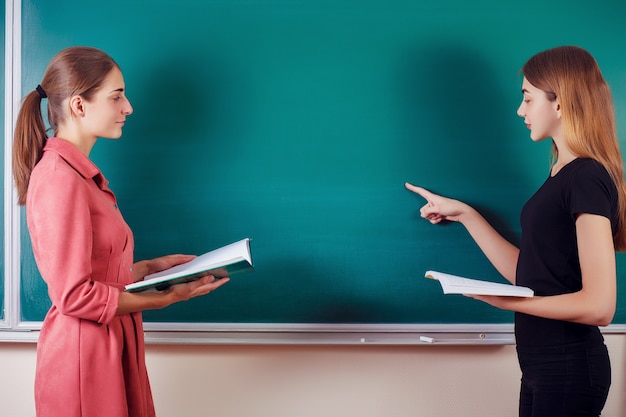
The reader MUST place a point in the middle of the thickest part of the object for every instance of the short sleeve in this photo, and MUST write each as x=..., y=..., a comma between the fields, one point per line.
x=592, y=191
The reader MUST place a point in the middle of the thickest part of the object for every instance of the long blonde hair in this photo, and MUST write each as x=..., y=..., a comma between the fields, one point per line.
x=77, y=70
x=572, y=75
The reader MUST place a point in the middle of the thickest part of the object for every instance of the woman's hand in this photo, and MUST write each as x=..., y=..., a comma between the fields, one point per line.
x=501, y=302
x=203, y=286
x=500, y=252
x=143, y=268
x=150, y=300
x=438, y=208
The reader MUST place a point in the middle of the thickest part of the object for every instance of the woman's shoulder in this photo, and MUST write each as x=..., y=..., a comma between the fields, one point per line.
x=53, y=177
x=581, y=168
x=589, y=163
x=590, y=177
x=52, y=164
x=588, y=167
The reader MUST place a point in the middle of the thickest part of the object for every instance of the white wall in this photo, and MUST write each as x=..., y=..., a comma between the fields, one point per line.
x=320, y=381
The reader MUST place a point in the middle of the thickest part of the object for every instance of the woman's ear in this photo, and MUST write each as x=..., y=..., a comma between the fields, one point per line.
x=77, y=106
x=557, y=109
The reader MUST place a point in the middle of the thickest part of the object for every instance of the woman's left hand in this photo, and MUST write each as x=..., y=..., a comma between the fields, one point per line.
x=501, y=302
x=186, y=291
x=143, y=268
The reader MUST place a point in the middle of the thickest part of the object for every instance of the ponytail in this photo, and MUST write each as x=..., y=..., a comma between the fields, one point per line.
x=28, y=141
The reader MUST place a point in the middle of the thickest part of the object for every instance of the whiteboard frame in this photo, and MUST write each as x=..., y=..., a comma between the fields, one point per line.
x=12, y=98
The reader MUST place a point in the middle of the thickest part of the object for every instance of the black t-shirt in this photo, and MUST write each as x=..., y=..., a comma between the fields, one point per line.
x=548, y=259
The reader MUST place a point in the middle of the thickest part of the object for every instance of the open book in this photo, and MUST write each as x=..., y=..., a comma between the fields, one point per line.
x=223, y=262
x=453, y=284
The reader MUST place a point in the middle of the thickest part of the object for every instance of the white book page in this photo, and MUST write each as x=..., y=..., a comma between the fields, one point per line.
x=225, y=255
x=454, y=284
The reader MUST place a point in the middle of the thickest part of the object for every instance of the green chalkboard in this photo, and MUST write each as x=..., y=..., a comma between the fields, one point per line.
x=296, y=123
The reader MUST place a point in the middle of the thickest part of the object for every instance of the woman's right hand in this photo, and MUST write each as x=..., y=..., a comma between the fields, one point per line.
x=500, y=252
x=438, y=208
x=129, y=302
x=189, y=290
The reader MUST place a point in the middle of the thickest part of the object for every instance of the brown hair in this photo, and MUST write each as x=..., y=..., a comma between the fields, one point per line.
x=572, y=75
x=78, y=70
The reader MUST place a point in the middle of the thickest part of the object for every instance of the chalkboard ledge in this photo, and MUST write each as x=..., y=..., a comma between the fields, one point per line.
x=310, y=334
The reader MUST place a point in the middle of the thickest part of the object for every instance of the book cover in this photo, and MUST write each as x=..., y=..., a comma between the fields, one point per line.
x=453, y=284
x=223, y=262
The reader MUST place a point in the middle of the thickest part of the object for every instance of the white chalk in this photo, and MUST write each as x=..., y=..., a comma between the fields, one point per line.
x=427, y=339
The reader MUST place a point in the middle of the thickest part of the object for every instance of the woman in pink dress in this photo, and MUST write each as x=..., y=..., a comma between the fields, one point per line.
x=90, y=355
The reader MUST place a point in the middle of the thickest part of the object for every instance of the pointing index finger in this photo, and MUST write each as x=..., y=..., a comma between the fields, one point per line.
x=419, y=190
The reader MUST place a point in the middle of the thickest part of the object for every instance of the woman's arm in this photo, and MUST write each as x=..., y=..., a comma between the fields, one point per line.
x=500, y=252
x=134, y=302
x=595, y=303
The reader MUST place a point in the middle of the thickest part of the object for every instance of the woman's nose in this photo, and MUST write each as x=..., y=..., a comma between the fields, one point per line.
x=129, y=108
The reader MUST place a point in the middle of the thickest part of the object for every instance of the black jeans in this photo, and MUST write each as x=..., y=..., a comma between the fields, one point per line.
x=564, y=382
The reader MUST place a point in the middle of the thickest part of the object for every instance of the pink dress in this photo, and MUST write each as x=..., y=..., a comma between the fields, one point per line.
x=90, y=362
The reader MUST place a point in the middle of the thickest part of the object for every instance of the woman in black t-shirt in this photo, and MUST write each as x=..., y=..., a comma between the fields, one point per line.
x=571, y=229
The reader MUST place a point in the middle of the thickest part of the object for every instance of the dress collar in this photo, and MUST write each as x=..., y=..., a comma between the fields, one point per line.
x=81, y=163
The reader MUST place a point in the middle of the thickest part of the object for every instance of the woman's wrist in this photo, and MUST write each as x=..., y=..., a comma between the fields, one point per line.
x=466, y=214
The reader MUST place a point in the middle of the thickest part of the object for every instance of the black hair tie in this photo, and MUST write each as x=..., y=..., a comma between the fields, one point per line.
x=41, y=91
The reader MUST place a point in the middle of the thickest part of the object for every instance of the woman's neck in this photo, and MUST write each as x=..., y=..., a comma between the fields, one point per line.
x=564, y=156
x=84, y=145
